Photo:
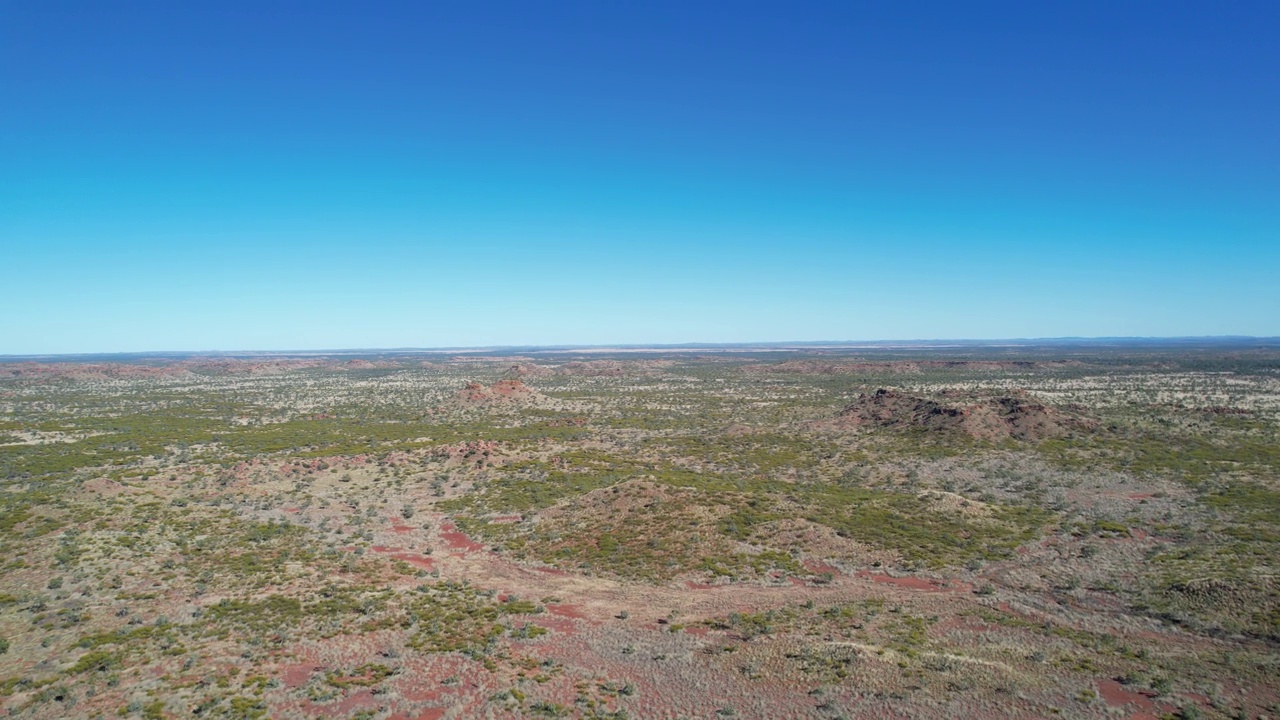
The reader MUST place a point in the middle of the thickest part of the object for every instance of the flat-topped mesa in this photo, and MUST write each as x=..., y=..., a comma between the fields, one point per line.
x=1013, y=414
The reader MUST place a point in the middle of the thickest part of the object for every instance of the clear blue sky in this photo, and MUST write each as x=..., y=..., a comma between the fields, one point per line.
x=258, y=175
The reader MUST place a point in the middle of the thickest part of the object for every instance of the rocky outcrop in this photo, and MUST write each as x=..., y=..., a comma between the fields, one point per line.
x=593, y=368
x=503, y=392
x=528, y=370
x=1013, y=415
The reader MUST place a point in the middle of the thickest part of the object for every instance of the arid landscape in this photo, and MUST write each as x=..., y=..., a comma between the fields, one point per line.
x=639, y=360
x=776, y=533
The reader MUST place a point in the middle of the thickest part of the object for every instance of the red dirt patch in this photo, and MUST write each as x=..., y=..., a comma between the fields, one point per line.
x=507, y=388
x=412, y=558
x=817, y=566
x=295, y=676
x=558, y=624
x=419, y=561
x=458, y=540
x=566, y=610
x=1116, y=695
x=915, y=583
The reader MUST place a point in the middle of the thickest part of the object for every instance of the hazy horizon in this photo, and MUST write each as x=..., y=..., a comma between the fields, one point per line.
x=1121, y=342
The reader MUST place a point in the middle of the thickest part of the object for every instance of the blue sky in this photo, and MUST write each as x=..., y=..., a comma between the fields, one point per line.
x=184, y=176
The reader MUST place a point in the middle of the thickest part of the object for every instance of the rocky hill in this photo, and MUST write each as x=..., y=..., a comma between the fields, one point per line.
x=503, y=392
x=1014, y=415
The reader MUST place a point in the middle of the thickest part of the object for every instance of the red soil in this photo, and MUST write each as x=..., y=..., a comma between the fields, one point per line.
x=817, y=566
x=411, y=557
x=296, y=675
x=353, y=702
x=457, y=540
x=397, y=526
x=432, y=714
x=915, y=583
x=1116, y=695
x=364, y=678
x=566, y=610
x=508, y=388
x=558, y=624
x=503, y=391
x=422, y=697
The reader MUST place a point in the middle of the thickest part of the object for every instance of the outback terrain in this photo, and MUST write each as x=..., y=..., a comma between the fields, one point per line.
x=938, y=532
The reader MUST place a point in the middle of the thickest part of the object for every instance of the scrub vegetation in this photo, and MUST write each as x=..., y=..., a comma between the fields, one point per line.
x=1025, y=532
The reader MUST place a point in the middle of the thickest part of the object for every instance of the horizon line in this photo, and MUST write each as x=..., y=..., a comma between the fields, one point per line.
x=623, y=347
